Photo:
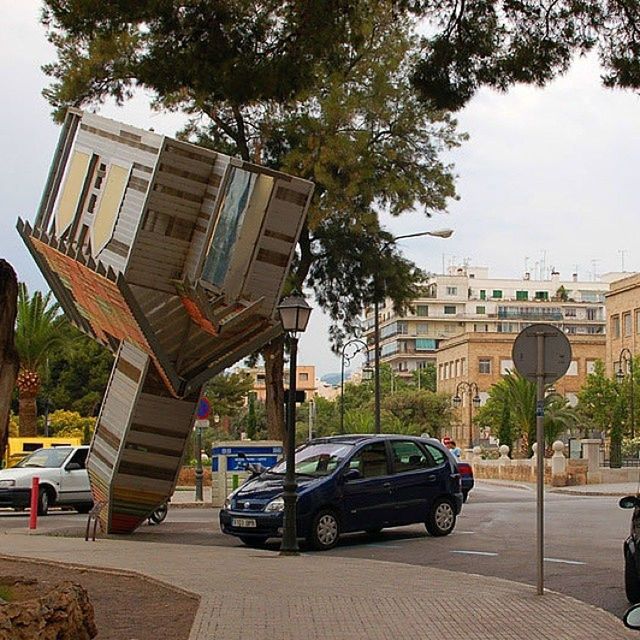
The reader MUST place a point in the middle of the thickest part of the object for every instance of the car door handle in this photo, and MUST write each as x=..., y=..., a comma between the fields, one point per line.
x=386, y=485
x=431, y=478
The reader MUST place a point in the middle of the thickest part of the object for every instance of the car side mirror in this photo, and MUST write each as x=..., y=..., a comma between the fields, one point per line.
x=629, y=502
x=73, y=466
x=351, y=474
x=631, y=617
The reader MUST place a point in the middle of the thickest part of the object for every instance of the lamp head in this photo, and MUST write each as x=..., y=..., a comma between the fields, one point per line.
x=456, y=401
x=294, y=313
x=476, y=401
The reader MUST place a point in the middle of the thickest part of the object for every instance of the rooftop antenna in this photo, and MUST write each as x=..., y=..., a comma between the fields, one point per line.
x=526, y=264
x=594, y=264
x=622, y=252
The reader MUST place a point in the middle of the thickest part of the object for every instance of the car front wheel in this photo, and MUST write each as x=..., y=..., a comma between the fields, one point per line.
x=631, y=580
x=442, y=518
x=325, y=530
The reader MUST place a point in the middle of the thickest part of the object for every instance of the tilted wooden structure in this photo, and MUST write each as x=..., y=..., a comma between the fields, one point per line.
x=173, y=256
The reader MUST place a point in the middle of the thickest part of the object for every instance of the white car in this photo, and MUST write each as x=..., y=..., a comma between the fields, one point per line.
x=63, y=480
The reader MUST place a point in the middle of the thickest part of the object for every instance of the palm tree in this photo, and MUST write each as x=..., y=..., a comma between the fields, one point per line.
x=38, y=331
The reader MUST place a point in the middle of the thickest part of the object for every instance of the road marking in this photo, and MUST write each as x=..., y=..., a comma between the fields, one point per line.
x=381, y=546
x=476, y=553
x=466, y=532
x=563, y=561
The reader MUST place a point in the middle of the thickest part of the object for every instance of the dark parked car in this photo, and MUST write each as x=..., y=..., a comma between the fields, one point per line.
x=466, y=474
x=351, y=483
x=632, y=550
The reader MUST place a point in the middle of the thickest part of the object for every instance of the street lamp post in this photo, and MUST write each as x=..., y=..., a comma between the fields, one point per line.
x=361, y=346
x=627, y=356
x=468, y=388
x=377, y=294
x=294, y=316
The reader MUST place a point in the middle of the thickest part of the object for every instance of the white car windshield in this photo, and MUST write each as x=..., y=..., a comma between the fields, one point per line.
x=319, y=459
x=45, y=458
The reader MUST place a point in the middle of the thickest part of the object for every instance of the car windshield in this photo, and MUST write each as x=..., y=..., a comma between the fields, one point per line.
x=319, y=459
x=46, y=458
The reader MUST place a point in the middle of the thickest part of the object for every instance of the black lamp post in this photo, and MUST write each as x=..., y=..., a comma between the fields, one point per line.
x=627, y=356
x=468, y=388
x=361, y=346
x=294, y=316
x=380, y=293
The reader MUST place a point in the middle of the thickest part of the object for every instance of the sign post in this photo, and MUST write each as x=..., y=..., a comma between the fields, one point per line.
x=203, y=410
x=542, y=354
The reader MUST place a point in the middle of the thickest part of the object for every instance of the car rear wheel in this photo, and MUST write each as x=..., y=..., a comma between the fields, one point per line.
x=631, y=580
x=325, y=530
x=255, y=543
x=442, y=518
x=44, y=500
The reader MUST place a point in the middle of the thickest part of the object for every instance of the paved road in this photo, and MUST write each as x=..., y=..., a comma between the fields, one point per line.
x=495, y=536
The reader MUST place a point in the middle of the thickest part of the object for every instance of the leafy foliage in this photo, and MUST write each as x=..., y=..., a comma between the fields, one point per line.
x=70, y=424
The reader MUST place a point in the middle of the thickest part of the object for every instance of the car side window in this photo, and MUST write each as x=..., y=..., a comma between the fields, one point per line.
x=80, y=457
x=439, y=456
x=408, y=456
x=371, y=460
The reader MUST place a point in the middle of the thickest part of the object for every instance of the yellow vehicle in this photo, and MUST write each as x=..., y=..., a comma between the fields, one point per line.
x=18, y=448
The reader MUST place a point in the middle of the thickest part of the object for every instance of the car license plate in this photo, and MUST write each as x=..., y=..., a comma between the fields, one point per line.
x=243, y=522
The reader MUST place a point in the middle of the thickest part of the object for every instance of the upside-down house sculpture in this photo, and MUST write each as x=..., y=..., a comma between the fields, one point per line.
x=174, y=257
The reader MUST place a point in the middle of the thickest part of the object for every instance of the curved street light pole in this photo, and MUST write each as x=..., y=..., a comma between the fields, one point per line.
x=474, y=401
x=627, y=356
x=438, y=233
x=363, y=346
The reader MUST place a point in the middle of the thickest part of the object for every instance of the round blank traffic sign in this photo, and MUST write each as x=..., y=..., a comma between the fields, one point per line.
x=557, y=352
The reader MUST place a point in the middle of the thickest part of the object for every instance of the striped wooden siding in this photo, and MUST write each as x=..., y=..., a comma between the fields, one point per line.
x=150, y=459
x=275, y=248
x=205, y=218
x=127, y=377
x=174, y=202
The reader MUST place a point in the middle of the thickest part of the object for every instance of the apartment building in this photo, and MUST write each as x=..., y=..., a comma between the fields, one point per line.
x=305, y=380
x=466, y=300
x=623, y=322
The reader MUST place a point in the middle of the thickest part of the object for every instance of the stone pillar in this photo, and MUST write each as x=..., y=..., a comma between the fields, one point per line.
x=591, y=453
x=477, y=454
x=504, y=458
x=558, y=460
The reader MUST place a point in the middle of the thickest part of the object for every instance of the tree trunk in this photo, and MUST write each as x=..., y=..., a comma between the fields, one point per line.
x=28, y=413
x=9, y=361
x=273, y=355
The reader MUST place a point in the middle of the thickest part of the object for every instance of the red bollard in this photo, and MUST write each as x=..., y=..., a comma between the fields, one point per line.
x=33, y=514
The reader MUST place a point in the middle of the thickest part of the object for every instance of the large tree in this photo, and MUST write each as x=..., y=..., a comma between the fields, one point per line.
x=39, y=332
x=344, y=115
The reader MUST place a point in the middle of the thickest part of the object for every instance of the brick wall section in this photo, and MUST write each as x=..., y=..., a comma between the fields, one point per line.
x=524, y=471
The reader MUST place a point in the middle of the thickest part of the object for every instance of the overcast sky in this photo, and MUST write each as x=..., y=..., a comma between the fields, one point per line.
x=547, y=175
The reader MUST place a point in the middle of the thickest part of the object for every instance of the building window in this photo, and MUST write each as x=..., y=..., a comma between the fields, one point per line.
x=303, y=377
x=483, y=294
x=463, y=362
x=422, y=310
x=480, y=328
x=522, y=295
x=570, y=313
x=422, y=328
x=496, y=293
x=261, y=377
x=573, y=368
x=615, y=326
x=542, y=295
x=591, y=366
x=452, y=291
x=637, y=321
x=425, y=344
x=626, y=323
x=449, y=309
x=481, y=310
x=484, y=365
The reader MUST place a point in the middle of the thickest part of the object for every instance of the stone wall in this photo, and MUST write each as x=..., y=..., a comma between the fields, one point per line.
x=525, y=471
x=64, y=613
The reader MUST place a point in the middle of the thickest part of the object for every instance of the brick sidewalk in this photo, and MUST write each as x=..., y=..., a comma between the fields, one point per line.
x=247, y=594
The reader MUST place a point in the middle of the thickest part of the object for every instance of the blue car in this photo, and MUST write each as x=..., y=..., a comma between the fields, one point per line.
x=351, y=483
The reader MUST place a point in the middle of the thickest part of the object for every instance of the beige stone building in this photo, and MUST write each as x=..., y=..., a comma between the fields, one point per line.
x=623, y=322
x=306, y=381
x=467, y=300
x=483, y=358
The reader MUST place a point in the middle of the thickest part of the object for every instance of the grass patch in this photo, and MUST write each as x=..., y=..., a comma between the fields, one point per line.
x=5, y=593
